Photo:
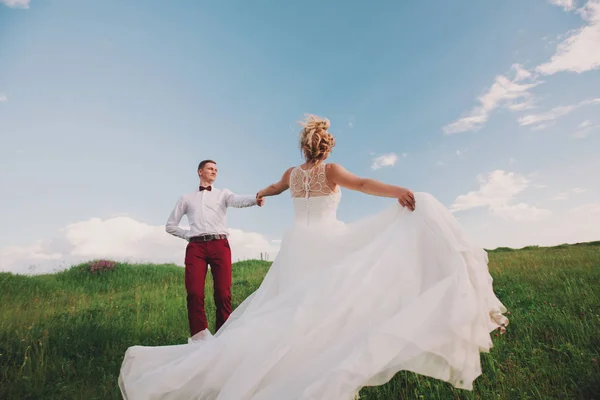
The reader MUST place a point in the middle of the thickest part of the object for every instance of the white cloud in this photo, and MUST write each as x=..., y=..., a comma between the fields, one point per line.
x=16, y=3
x=578, y=224
x=555, y=113
x=503, y=93
x=250, y=245
x=521, y=73
x=527, y=104
x=583, y=133
x=584, y=129
x=561, y=196
x=3, y=98
x=521, y=212
x=567, y=5
x=497, y=193
x=120, y=239
x=541, y=127
x=386, y=160
x=496, y=189
x=587, y=209
x=580, y=51
x=566, y=195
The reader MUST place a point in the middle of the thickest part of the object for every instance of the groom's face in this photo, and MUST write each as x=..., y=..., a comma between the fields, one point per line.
x=208, y=172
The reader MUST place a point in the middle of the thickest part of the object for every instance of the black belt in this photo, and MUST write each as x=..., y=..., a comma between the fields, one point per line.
x=207, y=238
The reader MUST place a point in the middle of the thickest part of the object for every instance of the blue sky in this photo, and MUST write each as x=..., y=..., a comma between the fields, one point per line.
x=106, y=108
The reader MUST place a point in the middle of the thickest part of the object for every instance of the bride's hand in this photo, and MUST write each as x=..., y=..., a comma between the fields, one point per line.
x=407, y=199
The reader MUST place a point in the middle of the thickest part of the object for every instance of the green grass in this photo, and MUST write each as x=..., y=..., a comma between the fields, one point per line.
x=63, y=336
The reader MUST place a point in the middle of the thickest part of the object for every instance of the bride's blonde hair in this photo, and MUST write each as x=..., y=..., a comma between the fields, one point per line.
x=315, y=142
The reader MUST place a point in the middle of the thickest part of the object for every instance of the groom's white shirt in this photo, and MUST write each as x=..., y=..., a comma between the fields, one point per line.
x=206, y=212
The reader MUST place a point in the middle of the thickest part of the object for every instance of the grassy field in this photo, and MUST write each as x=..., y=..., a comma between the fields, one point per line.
x=62, y=336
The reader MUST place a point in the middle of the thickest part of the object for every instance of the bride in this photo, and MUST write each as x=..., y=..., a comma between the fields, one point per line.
x=343, y=306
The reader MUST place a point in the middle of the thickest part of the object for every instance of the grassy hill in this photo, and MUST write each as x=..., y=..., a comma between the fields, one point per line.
x=63, y=336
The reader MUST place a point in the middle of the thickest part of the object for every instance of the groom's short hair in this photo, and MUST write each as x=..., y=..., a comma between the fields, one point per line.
x=204, y=162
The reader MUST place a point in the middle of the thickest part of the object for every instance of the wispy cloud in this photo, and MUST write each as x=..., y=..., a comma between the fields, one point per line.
x=561, y=196
x=521, y=73
x=385, y=160
x=567, y=5
x=541, y=127
x=580, y=51
x=551, y=115
x=16, y=3
x=584, y=129
x=566, y=195
x=503, y=93
x=555, y=113
x=3, y=98
x=521, y=212
x=497, y=192
x=527, y=104
x=587, y=209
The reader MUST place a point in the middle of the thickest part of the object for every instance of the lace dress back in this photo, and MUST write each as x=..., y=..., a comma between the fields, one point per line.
x=314, y=199
x=310, y=182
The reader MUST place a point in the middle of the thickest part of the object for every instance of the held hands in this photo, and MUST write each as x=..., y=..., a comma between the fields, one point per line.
x=406, y=198
x=259, y=199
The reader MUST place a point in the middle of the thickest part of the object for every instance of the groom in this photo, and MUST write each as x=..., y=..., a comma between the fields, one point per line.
x=206, y=210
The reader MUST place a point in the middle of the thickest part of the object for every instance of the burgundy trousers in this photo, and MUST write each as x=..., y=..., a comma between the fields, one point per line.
x=198, y=255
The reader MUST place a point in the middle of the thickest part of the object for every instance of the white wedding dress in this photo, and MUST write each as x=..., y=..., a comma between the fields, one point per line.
x=343, y=306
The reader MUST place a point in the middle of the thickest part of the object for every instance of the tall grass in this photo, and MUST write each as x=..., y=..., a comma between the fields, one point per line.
x=63, y=336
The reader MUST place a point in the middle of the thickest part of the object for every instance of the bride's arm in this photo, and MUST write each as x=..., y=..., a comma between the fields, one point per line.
x=276, y=188
x=340, y=176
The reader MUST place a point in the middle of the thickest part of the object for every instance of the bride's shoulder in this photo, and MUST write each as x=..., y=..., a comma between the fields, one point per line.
x=288, y=172
x=332, y=170
x=333, y=167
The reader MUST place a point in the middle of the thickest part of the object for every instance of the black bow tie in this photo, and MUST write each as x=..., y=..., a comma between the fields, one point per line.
x=209, y=188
